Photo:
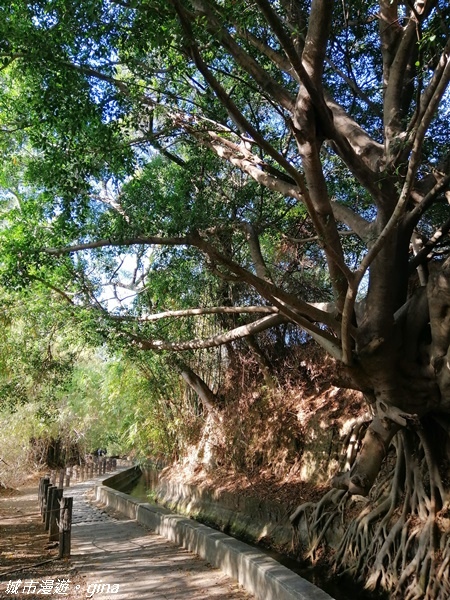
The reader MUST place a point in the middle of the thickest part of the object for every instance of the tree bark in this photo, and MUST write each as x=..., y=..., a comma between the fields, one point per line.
x=204, y=392
x=362, y=475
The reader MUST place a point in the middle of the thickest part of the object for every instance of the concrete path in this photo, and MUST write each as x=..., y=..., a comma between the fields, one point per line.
x=118, y=558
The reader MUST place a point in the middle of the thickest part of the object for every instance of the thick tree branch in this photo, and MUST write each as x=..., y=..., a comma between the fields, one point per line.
x=268, y=290
x=395, y=84
x=283, y=63
x=255, y=250
x=278, y=59
x=196, y=312
x=357, y=224
x=234, y=112
x=249, y=163
x=368, y=151
x=146, y=240
x=296, y=310
x=390, y=35
x=440, y=186
x=283, y=37
x=423, y=255
x=214, y=341
x=316, y=41
x=429, y=101
x=206, y=395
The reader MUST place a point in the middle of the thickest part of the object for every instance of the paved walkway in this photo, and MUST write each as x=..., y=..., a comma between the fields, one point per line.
x=119, y=559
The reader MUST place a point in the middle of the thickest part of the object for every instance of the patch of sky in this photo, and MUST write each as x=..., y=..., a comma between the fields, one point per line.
x=44, y=17
x=117, y=287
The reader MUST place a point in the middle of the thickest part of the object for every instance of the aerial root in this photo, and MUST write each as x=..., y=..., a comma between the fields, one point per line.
x=321, y=515
x=394, y=542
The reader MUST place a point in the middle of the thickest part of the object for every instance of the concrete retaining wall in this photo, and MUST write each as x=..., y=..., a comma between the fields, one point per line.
x=259, y=574
x=245, y=517
x=123, y=479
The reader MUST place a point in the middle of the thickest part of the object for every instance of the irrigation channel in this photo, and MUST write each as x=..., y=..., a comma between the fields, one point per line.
x=340, y=588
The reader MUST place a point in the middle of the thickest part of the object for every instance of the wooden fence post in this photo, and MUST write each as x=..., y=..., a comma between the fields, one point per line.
x=65, y=526
x=44, y=482
x=61, y=479
x=56, y=497
x=46, y=485
x=48, y=505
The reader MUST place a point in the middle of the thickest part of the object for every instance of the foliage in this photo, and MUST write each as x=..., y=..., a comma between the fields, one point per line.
x=36, y=352
x=208, y=82
x=54, y=386
x=110, y=403
x=17, y=428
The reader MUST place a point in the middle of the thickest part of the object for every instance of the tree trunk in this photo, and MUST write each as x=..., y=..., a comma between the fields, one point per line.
x=206, y=395
x=263, y=363
x=375, y=445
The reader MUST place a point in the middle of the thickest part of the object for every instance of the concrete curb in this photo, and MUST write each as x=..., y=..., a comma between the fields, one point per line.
x=256, y=572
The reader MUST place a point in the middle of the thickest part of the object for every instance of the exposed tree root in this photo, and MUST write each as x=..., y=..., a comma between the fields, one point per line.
x=397, y=539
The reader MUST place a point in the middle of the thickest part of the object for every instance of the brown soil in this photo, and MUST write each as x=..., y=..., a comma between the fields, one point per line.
x=289, y=492
x=283, y=486
x=27, y=559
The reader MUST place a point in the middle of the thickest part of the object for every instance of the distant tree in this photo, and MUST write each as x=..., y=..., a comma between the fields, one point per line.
x=37, y=352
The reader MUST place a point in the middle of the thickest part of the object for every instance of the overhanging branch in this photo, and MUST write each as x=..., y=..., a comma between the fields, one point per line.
x=104, y=243
x=195, y=312
x=302, y=313
x=214, y=341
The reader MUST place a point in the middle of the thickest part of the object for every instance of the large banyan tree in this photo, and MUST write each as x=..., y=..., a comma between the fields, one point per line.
x=310, y=135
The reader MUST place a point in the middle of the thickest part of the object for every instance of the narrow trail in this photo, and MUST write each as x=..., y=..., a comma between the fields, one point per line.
x=118, y=558
x=112, y=557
